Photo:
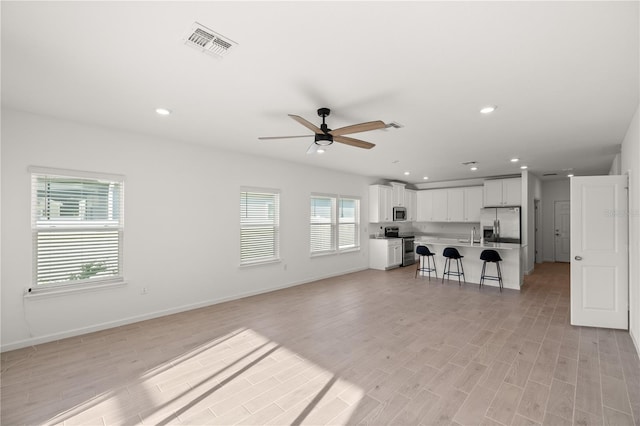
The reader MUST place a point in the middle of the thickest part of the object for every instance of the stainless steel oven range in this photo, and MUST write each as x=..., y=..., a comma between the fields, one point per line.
x=408, y=249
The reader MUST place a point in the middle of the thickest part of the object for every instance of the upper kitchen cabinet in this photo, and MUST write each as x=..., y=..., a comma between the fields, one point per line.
x=411, y=201
x=449, y=205
x=503, y=192
x=440, y=210
x=472, y=203
x=380, y=203
x=398, y=194
x=455, y=205
x=424, y=206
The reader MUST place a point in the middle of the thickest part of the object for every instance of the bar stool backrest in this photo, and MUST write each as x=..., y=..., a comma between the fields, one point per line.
x=490, y=256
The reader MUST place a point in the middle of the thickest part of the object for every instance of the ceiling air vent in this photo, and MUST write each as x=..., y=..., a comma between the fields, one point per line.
x=550, y=174
x=208, y=41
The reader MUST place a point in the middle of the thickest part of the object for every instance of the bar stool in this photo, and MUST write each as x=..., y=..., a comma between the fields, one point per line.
x=424, y=252
x=493, y=257
x=452, y=253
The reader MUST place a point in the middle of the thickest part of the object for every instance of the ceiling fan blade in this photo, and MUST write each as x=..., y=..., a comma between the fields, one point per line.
x=356, y=128
x=353, y=142
x=307, y=124
x=264, y=138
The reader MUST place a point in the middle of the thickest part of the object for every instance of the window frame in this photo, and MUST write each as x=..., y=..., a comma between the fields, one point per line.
x=74, y=225
x=335, y=224
x=275, y=224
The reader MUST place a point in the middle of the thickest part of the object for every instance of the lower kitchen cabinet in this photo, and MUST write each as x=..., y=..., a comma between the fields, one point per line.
x=385, y=253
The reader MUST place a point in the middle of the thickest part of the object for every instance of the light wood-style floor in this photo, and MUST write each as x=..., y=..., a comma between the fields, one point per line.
x=371, y=347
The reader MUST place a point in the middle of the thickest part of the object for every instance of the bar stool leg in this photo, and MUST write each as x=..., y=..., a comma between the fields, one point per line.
x=435, y=270
x=462, y=267
x=445, y=269
x=458, y=271
x=484, y=267
x=499, y=275
x=432, y=267
x=418, y=267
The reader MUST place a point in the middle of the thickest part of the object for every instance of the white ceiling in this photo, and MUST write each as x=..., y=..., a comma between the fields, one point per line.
x=563, y=74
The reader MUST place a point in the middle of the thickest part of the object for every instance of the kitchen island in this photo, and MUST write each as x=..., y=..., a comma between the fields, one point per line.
x=512, y=272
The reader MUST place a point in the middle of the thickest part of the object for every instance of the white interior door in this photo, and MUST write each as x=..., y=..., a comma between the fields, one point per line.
x=562, y=231
x=599, y=251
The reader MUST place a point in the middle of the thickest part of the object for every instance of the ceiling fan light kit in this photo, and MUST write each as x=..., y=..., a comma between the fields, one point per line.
x=324, y=136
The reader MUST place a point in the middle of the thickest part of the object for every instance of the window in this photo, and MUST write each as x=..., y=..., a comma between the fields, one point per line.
x=77, y=226
x=259, y=226
x=323, y=224
x=349, y=219
x=334, y=221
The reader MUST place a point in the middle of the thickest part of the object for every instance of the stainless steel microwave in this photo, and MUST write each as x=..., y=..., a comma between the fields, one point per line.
x=399, y=214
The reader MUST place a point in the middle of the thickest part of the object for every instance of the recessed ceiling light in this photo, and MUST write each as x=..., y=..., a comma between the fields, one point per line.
x=425, y=177
x=515, y=160
x=407, y=173
x=570, y=175
x=473, y=169
x=395, y=161
x=163, y=111
x=524, y=167
x=488, y=109
x=320, y=151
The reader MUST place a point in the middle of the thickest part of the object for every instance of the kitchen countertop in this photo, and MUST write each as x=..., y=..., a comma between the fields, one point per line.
x=465, y=243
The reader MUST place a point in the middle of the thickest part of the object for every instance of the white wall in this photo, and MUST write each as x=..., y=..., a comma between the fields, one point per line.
x=531, y=190
x=181, y=226
x=552, y=191
x=630, y=162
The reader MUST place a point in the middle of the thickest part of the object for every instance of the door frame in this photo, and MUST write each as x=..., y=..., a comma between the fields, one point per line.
x=537, y=227
x=555, y=254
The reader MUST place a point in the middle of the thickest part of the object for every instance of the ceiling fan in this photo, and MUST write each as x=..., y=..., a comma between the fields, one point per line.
x=324, y=136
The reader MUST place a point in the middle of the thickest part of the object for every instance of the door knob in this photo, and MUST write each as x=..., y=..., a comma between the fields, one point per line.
x=578, y=258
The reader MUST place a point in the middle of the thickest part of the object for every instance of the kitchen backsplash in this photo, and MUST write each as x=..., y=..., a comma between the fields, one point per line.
x=439, y=229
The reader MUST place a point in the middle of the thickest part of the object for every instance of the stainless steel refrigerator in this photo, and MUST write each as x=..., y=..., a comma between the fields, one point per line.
x=501, y=224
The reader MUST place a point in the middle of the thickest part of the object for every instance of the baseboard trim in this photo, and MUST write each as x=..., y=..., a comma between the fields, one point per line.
x=157, y=314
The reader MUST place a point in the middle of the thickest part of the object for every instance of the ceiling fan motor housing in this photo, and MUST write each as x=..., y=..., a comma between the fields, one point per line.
x=323, y=139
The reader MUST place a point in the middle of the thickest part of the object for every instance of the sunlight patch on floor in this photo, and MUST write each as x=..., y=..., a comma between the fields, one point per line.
x=240, y=377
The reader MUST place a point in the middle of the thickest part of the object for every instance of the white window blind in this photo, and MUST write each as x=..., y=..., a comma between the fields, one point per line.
x=259, y=226
x=77, y=226
x=323, y=223
x=334, y=224
x=349, y=221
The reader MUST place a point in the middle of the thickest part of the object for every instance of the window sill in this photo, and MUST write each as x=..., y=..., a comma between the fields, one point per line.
x=41, y=293
x=265, y=262
x=335, y=252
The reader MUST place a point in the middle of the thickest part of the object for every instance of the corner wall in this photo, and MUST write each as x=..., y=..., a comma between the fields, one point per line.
x=630, y=162
x=182, y=230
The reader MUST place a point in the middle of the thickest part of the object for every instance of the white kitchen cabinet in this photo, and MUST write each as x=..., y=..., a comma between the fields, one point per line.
x=472, y=203
x=410, y=201
x=512, y=192
x=398, y=194
x=440, y=210
x=493, y=193
x=455, y=205
x=503, y=192
x=449, y=205
x=385, y=253
x=424, y=206
x=380, y=208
